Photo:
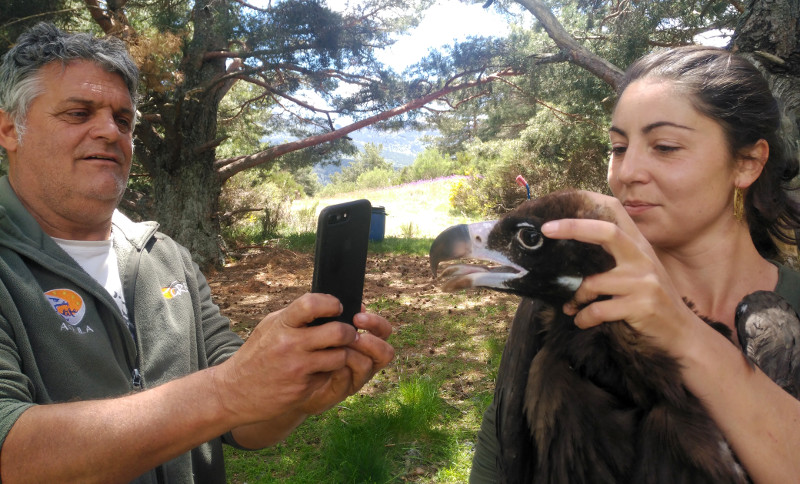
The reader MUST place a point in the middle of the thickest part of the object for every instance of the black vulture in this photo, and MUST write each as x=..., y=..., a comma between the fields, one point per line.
x=600, y=405
x=769, y=334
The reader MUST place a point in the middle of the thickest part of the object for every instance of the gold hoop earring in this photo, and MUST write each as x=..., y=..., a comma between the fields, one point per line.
x=738, y=204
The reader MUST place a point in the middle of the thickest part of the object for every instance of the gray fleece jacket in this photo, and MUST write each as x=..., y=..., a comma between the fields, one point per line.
x=63, y=338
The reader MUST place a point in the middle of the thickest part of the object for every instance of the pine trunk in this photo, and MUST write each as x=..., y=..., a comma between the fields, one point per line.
x=769, y=35
x=186, y=187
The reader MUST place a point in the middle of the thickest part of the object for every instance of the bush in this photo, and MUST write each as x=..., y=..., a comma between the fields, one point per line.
x=551, y=154
x=378, y=178
x=254, y=204
x=428, y=165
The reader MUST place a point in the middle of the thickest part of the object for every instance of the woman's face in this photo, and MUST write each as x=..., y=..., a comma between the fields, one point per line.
x=670, y=165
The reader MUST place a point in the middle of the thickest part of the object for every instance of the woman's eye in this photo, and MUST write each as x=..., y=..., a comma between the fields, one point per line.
x=618, y=150
x=530, y=238
x=666, y=148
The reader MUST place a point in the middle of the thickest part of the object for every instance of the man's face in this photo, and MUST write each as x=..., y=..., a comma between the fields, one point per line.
x=71, y=165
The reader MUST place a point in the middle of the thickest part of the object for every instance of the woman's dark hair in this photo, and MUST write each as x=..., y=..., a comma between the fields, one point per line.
x=729, y=89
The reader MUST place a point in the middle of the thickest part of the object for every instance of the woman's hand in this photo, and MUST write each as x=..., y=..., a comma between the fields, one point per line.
x=642, y=293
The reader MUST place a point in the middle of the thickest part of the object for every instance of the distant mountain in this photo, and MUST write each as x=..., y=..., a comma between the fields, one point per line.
x=399, y=147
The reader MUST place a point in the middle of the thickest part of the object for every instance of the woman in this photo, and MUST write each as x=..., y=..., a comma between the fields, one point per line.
x=699, y=176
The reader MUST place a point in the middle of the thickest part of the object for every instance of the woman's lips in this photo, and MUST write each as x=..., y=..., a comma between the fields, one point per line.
x=636, y=207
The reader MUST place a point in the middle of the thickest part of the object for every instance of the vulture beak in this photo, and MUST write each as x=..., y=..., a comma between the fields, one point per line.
x=469, y=241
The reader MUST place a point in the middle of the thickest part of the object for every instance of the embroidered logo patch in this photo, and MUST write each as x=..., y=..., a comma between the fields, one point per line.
x=174, y=290
x=68, y=304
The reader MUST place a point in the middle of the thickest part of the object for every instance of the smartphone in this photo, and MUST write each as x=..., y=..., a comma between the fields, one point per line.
x=340, y=255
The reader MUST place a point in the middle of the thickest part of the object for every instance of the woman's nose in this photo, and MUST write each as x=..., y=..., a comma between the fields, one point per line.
x=631, y=168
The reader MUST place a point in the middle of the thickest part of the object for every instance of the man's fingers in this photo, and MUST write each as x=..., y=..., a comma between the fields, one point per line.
x=373, y=323
x=307, y=308
x=326, y=361
x=362, y=368
x=379, y=352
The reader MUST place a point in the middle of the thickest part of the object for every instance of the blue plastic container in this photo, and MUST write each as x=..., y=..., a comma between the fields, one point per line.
x=377, y=224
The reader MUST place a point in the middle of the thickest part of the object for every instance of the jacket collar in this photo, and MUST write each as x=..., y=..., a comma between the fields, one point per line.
x=15, y=220
x=136, y=233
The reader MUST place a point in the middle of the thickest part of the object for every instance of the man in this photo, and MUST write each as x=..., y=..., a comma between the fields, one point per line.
x=115, y=365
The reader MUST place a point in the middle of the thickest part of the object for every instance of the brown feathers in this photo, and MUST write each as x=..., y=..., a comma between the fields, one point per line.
x=600, y=405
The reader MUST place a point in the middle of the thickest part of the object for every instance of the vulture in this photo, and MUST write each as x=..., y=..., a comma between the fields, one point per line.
x=769, y=334
x=600, y=405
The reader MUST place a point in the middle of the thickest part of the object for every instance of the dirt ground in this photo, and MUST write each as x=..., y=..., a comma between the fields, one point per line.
x=273, y=277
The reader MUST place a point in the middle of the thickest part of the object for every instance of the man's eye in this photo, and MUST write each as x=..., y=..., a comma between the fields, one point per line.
x=124, y=124
x=77, y=115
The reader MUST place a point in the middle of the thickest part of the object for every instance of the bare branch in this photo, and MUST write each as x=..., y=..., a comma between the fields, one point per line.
x=229, y=167
x=577, y=53
x=248, y=5
x=210, y=145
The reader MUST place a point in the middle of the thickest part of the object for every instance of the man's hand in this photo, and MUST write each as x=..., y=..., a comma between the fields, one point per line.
x=365, y=356
x=287, y=370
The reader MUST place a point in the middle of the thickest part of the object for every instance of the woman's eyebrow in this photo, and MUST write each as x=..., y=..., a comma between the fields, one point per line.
x=659, y=124
x=650, y=127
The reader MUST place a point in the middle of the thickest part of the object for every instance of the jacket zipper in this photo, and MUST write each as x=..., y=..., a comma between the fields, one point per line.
x=137, y=379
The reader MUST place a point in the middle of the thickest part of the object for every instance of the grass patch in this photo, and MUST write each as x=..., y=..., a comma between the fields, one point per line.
x=416, y=421
x=304, y=242
x=398, y=245
x=414, y=210
x=364, y=440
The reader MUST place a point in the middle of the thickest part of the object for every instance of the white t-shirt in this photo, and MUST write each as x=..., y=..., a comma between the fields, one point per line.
x=99, y=260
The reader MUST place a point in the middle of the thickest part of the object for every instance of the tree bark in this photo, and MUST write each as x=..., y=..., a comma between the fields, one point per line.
x=182, y=171
x=769, y=35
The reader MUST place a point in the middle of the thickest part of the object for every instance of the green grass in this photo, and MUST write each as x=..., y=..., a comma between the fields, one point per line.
x=304, y=242
x=365, y=440
x=415, y=210
x=415, y=214
x=416, y=421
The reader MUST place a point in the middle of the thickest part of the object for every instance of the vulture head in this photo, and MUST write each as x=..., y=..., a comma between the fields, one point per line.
x=530, y=264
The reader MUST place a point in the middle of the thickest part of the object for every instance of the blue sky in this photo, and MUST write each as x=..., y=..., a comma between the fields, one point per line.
x=444, y=22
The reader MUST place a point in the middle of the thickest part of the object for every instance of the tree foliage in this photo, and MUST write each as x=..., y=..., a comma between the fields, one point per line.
x=552, y=116
x=221, y=76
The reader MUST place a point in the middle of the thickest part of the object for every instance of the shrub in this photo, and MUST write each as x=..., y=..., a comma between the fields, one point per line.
x=550, y=154
x=377, y=178
x=428, y=165
x=254, y=204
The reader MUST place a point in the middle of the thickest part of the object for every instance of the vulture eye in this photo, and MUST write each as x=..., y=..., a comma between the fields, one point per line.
x=529, y=237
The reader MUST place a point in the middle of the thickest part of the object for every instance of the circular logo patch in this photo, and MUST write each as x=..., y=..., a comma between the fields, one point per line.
x=68, y=304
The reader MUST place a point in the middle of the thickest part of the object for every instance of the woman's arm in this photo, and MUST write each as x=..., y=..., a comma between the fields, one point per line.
x=759, y=419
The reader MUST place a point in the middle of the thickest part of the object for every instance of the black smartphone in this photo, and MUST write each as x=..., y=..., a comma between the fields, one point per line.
x=340, y=255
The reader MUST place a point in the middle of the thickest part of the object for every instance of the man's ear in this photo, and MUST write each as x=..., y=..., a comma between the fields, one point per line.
x=751, y=163
x=8, y=132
